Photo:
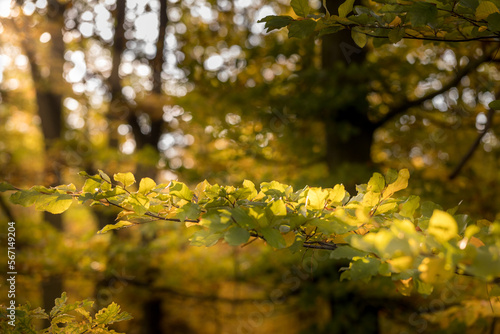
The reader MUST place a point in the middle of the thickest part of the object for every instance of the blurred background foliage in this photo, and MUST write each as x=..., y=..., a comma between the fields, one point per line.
x=194, y=90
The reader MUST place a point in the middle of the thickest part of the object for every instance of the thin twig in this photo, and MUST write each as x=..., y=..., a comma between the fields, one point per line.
x=474, y=146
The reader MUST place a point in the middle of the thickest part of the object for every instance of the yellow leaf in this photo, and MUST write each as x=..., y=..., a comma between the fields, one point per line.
x=396, y=22
x=442, y=226
x=401, y=263
x=434, y=270
x=485, y=9
x=400, y=183
x=359, y=38
x=289, y=238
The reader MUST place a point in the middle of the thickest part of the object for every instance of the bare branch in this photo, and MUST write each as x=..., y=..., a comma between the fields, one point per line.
x=405, y=105
x=474, y=146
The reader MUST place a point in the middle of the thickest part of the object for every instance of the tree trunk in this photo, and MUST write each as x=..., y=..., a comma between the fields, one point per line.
x=49, y=90
x=348, y=131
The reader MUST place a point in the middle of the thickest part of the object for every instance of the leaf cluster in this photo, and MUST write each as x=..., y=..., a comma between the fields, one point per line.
x=379, y=233
x=392, y=21
x=64, y=318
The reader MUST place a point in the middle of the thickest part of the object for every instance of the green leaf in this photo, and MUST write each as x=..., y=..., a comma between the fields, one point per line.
x=273, y=237
x=422, y=287
x=400, y=183
x=346, y=252
x=117, y=226
x=376, y=183
x=4, y=186
x=300, y=7
x=127, y=179
x=91, y=186
x=25, y=197
x=273, y=22
x=427, y=208
x=332, y=225
x=396, y=34
x=104, y=176
x=111, y=314
x=363, y=268
x=495, y=104
x=179, y=189
x=59, y=304
x=54, y=203
x=472, y=4
x=359, y=38
x=442, y=226
x=330, y=30
x=409, y=206
x=146, y=185
x=243, y=219
x=391, y=176
x=485, y=9
x=236, y=236
x=346, y=8
x=422, y=13
x=204, y=238
x=62, y=319
x=301, y=29
x=494, y=25
x=190, y=211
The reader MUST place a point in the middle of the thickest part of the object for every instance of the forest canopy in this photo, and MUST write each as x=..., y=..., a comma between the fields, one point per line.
x=305, y=119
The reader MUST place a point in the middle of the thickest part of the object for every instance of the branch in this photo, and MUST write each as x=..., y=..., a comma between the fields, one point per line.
x=154, y=215
x=437, y=39
x=474, y=146
x=320, y=245
x=407, y=104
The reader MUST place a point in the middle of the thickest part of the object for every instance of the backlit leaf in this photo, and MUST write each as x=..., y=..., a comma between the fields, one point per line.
x=146, y=185
x=400, y=183
x=119, y=225
x=337, y=194
x=442, y=226
x=316, y=198
x=111, y=314
x=179, y=189
x=126, y=179
x=376, y=183
x=54, y=203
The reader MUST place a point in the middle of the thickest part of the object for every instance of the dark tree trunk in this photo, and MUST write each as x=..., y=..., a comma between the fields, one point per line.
x=349, y=136
x=349, y=132
x=49, y=94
